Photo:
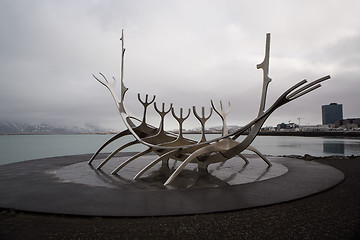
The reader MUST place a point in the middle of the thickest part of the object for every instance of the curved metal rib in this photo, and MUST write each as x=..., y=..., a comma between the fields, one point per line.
x=222, y=145
x=115, y=152
x=153, y=163
x=305, y=89
x=244, y=158
x=250, y=148
x=119, y=135
x=197, y=153
x=143, y=130
x=131, y=159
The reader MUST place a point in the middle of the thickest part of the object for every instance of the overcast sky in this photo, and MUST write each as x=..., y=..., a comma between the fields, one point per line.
x=184, y=52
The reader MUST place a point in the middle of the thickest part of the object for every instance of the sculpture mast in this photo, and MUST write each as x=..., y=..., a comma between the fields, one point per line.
x=266, y=79
x=123, y=89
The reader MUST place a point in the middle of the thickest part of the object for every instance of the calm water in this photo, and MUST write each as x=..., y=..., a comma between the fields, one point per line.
x=15, y=148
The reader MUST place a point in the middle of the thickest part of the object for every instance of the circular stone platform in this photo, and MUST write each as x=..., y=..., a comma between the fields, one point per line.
x=68, y=185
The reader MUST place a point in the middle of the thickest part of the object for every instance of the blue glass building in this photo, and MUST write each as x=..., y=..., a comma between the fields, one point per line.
x=331, y=113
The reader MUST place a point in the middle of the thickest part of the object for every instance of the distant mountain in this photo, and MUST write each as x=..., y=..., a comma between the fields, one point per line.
x=24, y=128
x=216, y=129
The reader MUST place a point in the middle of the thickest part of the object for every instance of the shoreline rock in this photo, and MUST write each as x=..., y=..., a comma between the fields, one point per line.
x=309, y=157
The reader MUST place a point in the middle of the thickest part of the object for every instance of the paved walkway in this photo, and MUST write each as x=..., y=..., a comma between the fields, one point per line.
x=334, y=214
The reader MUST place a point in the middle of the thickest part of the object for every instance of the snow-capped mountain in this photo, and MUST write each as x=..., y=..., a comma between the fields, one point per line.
x=24, y=128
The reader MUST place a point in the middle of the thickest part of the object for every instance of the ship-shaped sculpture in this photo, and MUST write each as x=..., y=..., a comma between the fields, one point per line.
x=168, y=145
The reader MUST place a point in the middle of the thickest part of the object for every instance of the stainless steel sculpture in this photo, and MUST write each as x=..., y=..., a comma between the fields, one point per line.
x=203, y=152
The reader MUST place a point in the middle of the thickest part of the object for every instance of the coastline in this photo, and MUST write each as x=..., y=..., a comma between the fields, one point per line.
x=344, y=134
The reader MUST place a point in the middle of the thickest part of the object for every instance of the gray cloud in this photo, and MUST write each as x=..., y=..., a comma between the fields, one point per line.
x=185, y=52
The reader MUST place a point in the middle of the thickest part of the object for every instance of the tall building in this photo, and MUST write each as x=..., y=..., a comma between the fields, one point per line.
x=331, y=113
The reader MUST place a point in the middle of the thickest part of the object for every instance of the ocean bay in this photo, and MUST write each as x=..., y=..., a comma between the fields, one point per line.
x=16, y=148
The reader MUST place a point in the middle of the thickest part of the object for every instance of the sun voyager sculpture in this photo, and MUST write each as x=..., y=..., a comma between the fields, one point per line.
x=167, y=145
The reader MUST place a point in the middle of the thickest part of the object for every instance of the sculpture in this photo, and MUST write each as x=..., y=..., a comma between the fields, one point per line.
x=203, y=152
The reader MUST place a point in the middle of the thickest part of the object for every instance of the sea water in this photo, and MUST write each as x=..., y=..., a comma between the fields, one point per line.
x=15, y=148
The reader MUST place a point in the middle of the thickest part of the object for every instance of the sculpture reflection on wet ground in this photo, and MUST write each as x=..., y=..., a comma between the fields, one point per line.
x=229, y=173
x=167, y=145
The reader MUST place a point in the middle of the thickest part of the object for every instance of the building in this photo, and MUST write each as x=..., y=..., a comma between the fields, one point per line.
x=331, y=113
x=286, y=127
x=348, y=124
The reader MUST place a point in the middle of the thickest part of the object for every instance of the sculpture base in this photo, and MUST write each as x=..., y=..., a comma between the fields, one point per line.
x=68, y=185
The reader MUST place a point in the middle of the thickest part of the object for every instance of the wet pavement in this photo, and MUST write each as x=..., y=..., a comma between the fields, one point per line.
x=67, y=185
x=332, y=214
